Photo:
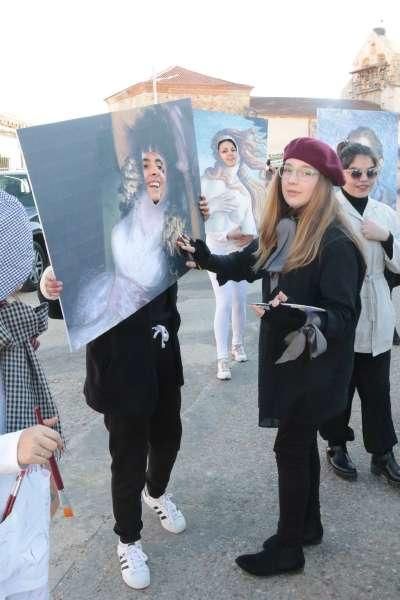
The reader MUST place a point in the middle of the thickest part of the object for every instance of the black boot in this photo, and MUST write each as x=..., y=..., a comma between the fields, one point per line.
x=313, y=534
x=273, y=560
x=340, y=461
x=396, y=338
x=385, y=465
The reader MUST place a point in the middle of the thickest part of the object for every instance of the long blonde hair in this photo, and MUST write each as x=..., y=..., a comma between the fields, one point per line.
x=313, y=220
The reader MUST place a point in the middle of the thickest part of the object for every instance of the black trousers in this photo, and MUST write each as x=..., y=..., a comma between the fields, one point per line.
x=299, y=469
x=143, y=450
x=371, y=378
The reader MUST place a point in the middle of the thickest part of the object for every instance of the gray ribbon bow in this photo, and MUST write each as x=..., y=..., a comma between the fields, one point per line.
x=309, y=336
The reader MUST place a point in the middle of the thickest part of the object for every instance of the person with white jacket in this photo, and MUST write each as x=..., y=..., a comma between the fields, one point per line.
x=24, y=446
x=378, y=228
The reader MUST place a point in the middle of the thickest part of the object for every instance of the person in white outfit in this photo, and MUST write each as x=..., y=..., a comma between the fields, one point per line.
x=230, y=227
x=378, y=228
x=24, y=446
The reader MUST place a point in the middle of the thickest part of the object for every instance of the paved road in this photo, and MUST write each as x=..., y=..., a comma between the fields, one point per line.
x=225, y=480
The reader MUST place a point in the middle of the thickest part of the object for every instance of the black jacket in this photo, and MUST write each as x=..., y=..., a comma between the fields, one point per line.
x=312, y=389
x=121, y=364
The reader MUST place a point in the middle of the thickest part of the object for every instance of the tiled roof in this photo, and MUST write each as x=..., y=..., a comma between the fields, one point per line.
x=303, y=107
x=178, y=78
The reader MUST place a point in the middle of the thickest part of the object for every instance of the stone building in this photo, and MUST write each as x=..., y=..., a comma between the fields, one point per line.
x=375, y=76
x=287, y=117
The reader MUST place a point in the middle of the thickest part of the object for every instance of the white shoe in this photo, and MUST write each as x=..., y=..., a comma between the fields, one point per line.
x=134, y=569
x=223, y=372
x=170, y=517
x=238, y=353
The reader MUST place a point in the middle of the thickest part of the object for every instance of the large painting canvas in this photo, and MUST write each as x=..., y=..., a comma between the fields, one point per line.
x=114, y=191
x=232, y=152
x=375, y=129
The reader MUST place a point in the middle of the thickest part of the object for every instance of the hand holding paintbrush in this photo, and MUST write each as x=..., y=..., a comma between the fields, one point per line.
x=66, y=506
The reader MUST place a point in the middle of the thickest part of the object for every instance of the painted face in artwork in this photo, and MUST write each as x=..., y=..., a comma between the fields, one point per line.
x=154, y=172
x=298, y=182
x=228, y=153
x=360, y=176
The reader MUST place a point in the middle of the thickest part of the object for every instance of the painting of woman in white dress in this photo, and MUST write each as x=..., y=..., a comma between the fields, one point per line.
x=114, y=192
x=234, y=185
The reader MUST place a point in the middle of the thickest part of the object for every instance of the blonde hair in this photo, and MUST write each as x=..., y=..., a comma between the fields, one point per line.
x=313, y=220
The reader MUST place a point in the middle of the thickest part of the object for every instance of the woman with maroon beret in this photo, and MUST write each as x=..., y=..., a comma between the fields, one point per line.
x=306, y=255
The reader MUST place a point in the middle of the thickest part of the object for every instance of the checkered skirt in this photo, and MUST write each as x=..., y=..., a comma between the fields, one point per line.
x=25, y=384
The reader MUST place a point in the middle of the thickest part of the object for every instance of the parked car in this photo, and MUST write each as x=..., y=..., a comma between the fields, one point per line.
x=17, y=184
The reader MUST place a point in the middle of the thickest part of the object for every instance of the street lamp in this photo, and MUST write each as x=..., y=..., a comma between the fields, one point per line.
x=155, y=79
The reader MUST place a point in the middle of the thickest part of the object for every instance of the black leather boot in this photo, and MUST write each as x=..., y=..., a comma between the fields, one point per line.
x=313, y=534
x=273, y=560
x=338, y=458
x=385, y=465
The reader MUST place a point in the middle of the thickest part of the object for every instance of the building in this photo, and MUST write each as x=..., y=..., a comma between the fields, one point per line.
x=10, y=152
x=375, y=76
x=287, y=117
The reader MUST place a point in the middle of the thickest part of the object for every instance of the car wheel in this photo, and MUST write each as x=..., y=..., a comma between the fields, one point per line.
x=39, y=264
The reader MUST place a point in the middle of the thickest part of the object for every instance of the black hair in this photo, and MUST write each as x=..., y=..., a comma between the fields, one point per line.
x=227, y=140
x=368, y=133
x=348, y=151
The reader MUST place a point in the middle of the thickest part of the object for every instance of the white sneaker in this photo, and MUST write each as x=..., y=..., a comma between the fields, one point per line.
x=170, y=517
x=134, y=569
x=238, y=353
x=223, y=372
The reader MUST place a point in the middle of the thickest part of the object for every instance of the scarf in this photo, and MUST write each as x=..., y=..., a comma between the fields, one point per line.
x=25, y=384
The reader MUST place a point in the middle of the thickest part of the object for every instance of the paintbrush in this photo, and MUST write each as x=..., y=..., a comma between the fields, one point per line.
x=55, y=471
x=13, y=496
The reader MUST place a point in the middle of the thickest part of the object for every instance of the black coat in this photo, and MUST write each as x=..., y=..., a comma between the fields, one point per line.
x=122, y=367
x=312, y=389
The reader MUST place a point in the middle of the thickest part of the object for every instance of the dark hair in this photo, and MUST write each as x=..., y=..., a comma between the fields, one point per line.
x=348, y=151
x=368, y=133
x=227, y=140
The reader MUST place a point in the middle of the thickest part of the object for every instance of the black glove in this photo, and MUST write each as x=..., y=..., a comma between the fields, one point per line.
x=285, y=318
x=201, y=254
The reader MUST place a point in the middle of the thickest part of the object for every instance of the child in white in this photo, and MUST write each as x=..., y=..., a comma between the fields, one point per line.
x=24, y=534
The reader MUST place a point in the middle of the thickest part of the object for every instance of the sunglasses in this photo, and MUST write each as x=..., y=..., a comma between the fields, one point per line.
x=371, y=173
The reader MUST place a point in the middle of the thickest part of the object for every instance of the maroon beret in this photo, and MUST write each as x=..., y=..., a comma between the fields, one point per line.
x=317, y=154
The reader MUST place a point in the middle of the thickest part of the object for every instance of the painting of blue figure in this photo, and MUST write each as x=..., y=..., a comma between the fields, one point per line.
x=376, y=129
x=232, y=152
x=114, y=192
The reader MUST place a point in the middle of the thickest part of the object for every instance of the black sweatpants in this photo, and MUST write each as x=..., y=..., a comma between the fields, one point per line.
x=371, y=378
x=143, y=450
x=299, y=469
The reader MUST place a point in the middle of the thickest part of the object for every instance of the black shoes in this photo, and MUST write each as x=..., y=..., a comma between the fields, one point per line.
x=340, y=461
x=313, y=534
x=385, y=465
x=273, y=560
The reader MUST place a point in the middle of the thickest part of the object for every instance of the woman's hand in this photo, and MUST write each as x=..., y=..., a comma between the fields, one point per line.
x=37, y=444
x=49, y=286
x=240, y=239
x=183, y=243
x=374, y=232
x=279, y=298
x=204, y=208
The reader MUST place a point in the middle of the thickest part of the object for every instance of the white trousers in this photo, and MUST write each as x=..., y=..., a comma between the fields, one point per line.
x=230, y=306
